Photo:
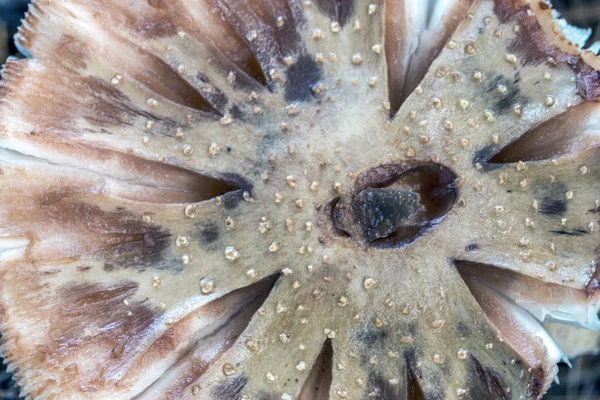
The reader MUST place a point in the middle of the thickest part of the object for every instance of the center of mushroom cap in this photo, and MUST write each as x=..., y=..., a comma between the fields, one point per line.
x=393, y=205
x=376, y=213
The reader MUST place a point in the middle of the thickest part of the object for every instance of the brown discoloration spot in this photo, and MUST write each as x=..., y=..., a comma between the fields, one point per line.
x=83, y=306
x=588, y=82
x=109, y=105
x=208, y=233
x=230, y=388
x=114, y=49
x=533, y=45
x=301, y=76
x=543, y=5
x=149, y=21
x=506, y=9
x=151, y=28
x=472, y=247
x=119, y=238
x=68, y=316
x=72, y=52
x=593, y=285
x=337, y=10
x=485, y=383
x=536, y=388
x=89, y=98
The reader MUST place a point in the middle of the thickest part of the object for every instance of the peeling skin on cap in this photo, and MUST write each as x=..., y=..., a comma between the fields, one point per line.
x=296, y=199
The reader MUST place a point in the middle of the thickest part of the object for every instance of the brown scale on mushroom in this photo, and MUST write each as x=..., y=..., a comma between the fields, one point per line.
x=323, y=199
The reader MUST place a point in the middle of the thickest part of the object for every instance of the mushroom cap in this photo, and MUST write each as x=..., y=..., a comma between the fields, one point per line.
x=256, y=199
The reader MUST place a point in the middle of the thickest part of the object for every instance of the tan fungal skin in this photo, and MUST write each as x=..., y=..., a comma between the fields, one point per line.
x=270, y=199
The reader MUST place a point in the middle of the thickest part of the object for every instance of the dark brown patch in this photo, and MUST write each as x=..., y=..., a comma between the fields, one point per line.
x=503, y=104
x=485, y=383
x=472, y=247
x=593, y=284
x=553, y=197
x=66, y=98
x=152, y=28
x=239, y=19
x=533, y=46
x=127, y=57
x=72, y=52
x=551, y=206
x=463, y=329
x=535, y=389
x=121, y=239
x=208, y=233
x=301, y=76
x=572, y=232
x=369, y=336
x=229, y=389
x=506, y=9
x=151, y=22
x=82, y=307
x=483, y=155
x=232, y=198
x=337, y=10
x=588, y=82
x=106, y=105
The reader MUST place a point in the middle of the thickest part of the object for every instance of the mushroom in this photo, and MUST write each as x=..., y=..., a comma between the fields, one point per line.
x=296, y=199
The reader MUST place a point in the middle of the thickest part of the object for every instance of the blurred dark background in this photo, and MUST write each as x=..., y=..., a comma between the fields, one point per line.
x=582, y=382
